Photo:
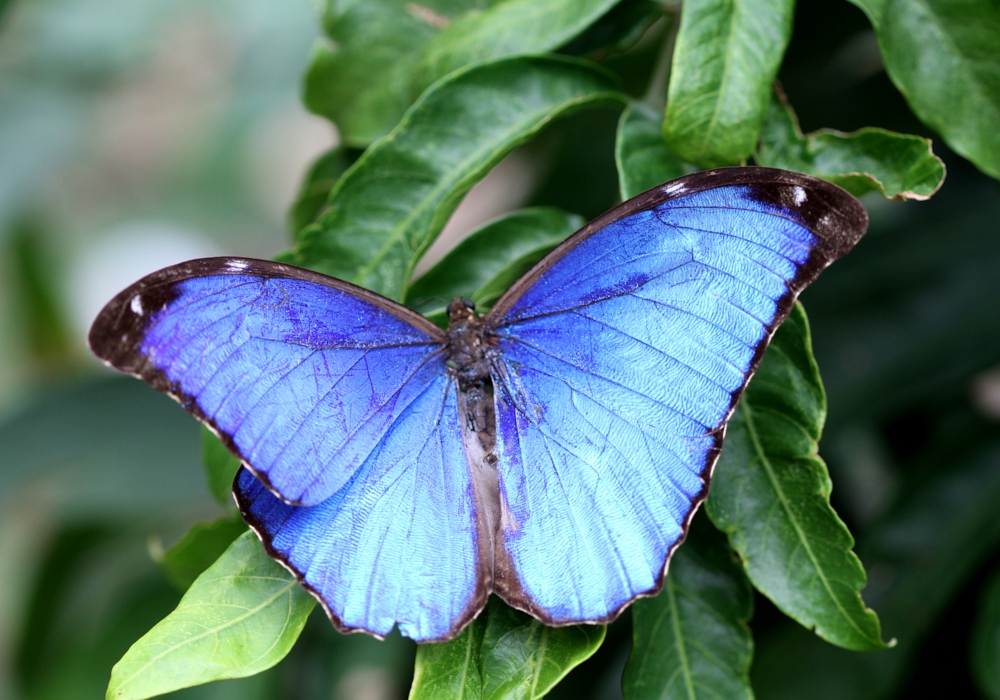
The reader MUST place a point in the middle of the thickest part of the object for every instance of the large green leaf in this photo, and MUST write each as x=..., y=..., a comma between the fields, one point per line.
x=725, y=60
x=503, y=655
x=897, y=165
x=944, y=56
x=771, y=495
x=106, y=448
x=388, y=208
x=510, y=28
x=485, y=264
x=363, y=80
x=919, y=555
x=691, y=641
x=198, y=549
x=238, y=618
x=643, y=158
x=985, y=655
x=386, y=52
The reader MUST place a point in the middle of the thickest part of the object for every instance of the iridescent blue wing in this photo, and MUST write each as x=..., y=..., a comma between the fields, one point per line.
x=300, y=375
x=397, y=544
x=332, y=396
x=621, y=356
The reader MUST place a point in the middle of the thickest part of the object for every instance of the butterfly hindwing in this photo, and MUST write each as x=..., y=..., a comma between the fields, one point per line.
x=399, y=543
x=299, y=374
x=621, y=357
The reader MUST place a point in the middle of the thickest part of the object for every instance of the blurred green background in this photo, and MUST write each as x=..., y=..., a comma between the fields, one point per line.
x=137, y=134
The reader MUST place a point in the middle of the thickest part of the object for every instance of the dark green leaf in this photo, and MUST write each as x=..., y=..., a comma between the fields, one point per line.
x=618, y=30
x=198, y=549
x=944, y=57
x=388, y=208
x=109, y=448
x=485, y=264
x=451, y=671
x=692, y=640
x=897, y=165
x=643, y=158
x=771, y=495
x=510, y=28
x=34, y=290
x=503, y=655
x=725, y=60
x=220, y=468
x=985, y=657
x=919, y=557
x=315, y=190
x=363, y=81
x=89, y=595
x=238, y=618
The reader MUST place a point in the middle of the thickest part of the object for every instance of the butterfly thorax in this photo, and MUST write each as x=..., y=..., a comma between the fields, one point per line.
x=468, y=361
x=467, y=346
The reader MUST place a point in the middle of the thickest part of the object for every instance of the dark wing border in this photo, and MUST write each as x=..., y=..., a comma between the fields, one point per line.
x=118, y=331
x=836, y=217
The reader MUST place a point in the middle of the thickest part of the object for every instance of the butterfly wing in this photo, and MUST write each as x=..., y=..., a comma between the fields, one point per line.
x=622, y=355
x=300, y=375
x=335, y=398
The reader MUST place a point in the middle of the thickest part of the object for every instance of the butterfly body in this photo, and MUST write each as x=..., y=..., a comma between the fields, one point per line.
x=552, y=451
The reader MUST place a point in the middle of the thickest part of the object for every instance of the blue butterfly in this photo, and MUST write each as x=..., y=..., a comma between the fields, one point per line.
x=552, y=451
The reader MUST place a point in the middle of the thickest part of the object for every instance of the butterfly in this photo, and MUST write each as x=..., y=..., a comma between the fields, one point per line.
x=552, y=451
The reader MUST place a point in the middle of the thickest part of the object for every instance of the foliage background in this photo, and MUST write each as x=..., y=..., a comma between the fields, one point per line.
x=134, y=135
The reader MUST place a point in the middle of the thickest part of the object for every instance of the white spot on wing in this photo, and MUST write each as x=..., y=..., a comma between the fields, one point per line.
x=674, y=188
x=237, y=265
x=799, y=194
x=136, y=305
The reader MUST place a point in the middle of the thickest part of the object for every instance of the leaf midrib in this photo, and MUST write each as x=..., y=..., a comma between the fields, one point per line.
x=727, y=66
x=190, y=640
x=748, y=420
x=675, y=627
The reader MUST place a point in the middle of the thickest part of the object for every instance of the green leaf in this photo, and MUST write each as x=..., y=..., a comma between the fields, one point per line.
x=238, y=618
x=944, y=57
x=388, y=208
x=771, y=495
x=897, y=165
x=985, y=656
x=510, y=28
x=725, y=60
x=920, y=556
x=315, y=190
x=503, y=655
x=489, y=260
x=198, y=549
x=643, y=158
x=692, y=640
x=363, y=79
x=384, y=53
x=220, y=468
